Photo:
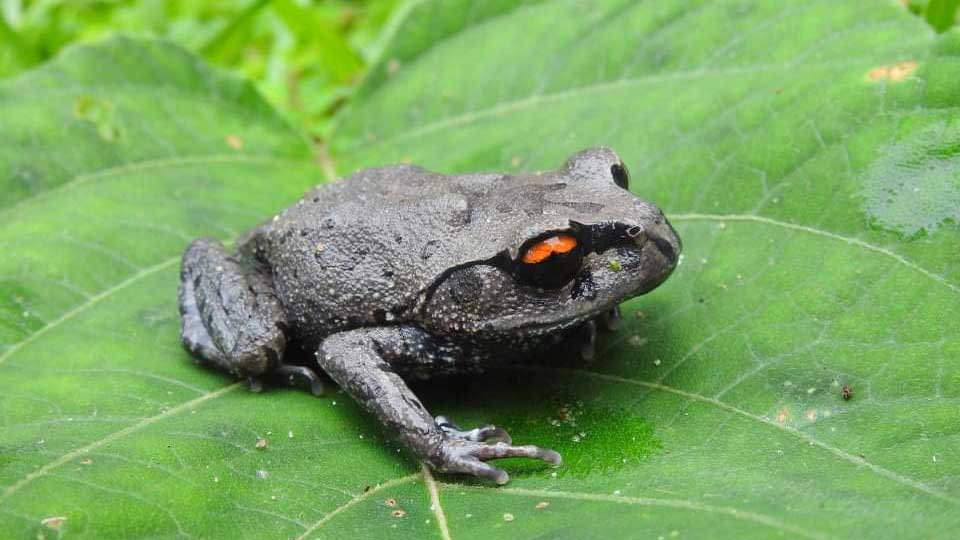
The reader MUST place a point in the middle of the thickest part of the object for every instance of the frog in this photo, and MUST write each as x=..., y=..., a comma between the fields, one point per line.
x=398, y=274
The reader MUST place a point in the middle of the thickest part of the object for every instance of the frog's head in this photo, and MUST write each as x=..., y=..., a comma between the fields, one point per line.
x=572, y=244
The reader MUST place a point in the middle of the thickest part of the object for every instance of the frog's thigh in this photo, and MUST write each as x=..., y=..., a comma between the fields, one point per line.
x=230, y=315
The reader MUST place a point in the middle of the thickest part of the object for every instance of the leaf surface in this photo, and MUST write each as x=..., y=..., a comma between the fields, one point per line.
x=806, y=151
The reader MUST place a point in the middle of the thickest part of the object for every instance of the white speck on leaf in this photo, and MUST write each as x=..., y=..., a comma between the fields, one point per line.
x=54, y=522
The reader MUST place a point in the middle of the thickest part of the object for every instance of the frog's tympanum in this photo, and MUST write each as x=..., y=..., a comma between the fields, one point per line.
x=399, y=273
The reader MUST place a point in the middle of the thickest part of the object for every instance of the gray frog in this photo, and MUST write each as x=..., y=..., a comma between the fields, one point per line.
x=399, y=273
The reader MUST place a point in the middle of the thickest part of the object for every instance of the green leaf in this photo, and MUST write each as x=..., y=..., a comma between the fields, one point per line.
x=942, y=14
x=805, y=151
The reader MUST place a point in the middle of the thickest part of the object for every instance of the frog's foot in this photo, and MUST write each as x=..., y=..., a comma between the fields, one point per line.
x=612, y=320
x=588, y=333
x=291, y=374
x=255, y=384
x=488, y=433
x=469, y=457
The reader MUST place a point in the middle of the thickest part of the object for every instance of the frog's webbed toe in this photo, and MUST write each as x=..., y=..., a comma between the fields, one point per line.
x=488, y=433
x=469, y=457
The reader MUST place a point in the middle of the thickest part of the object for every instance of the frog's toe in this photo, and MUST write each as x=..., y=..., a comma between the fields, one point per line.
x=488, y=433
x=475, y=467
x=589, y=343
x=612, y=320
x=255, y=384
x=504, y=450
x=462, y=456
x=291, y=373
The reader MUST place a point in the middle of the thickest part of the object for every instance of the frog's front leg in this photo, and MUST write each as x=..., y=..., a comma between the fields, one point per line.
x=359, y=361
x=231, y=318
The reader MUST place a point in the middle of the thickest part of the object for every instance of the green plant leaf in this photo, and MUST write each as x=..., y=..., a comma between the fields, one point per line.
x=942, y=14
x=806, y=152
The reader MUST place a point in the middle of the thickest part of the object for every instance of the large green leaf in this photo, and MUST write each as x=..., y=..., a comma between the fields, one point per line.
x=808, y=153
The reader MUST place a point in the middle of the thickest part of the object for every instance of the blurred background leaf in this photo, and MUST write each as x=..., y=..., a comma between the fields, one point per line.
x=305, y=57
x=941, y=14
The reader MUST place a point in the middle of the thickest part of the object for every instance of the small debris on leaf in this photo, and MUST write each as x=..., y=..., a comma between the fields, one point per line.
x=54, y=522
x=846, y=392
x=234, y=142
x=895, y=72
x=541, y=505
x=261, y=443
x=508, y=517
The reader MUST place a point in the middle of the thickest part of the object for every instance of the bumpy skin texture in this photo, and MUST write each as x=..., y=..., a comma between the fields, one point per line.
x=399, y=273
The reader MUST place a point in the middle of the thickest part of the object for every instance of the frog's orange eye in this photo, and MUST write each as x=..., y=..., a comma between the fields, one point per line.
x=542, y=250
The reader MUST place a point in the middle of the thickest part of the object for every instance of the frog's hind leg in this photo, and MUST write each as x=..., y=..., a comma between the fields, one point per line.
x=231, y=318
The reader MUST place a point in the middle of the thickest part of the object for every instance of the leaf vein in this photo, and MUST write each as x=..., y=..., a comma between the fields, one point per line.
x=540, y=99
x=147, y=164
x=435, y=507
x=357, y=500
x=842, y=454
x=819, y=232
x=654, y=501
x=93, y=300
x=73, y=454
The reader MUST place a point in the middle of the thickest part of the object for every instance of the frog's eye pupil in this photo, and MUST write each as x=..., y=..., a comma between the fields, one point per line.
x=550, y=261
x=620, y=175
x=542, y=250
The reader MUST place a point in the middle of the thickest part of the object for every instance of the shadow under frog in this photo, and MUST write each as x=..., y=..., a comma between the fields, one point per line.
x=398, y=274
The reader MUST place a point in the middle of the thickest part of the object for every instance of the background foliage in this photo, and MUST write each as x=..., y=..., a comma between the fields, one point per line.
x=806, y=151
x=305, y=57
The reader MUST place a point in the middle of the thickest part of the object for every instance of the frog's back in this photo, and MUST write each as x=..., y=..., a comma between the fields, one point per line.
x=361, y=251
